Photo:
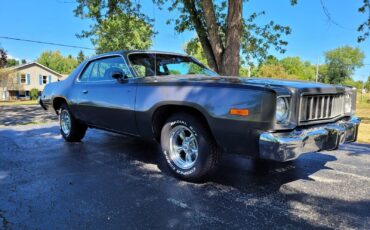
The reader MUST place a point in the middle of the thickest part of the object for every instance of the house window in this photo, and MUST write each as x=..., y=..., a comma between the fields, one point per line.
x=44, y=79
x=23, y=79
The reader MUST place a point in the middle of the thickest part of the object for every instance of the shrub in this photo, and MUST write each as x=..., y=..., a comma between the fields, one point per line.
x=34, y=94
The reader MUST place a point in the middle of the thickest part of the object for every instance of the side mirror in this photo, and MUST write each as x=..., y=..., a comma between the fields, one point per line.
x=117, y=75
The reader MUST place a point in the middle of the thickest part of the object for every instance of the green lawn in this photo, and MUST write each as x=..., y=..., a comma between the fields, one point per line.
x=18, y=102
x=363, y=111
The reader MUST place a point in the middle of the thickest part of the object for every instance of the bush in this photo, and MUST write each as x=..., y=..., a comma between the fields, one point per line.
x=34, y=94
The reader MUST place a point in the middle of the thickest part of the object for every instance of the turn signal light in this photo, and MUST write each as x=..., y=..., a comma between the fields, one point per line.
x=239, y=112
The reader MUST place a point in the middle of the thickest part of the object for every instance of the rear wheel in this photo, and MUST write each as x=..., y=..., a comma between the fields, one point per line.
x=71, y=129
x=190, y=151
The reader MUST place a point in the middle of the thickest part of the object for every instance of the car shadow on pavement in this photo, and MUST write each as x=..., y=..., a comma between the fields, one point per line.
x=21, y=115
x=250, y=190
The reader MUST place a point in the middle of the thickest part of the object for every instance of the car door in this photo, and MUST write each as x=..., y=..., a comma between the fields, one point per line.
x=106, y=102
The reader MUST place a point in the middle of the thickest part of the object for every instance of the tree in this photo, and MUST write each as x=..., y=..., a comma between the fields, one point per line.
x=274, y=71
x=57, y=62
x=364, y=28
x=367, y=84
x=220, y=27
x=118, y=25
x=12, y=62
x=224, y=34
x=81, y=57
x=34, y=94
x=296, y=67
x=23, y=61
x=194, y=48
x=3, y=58
x=342, y=62
x=8, y=80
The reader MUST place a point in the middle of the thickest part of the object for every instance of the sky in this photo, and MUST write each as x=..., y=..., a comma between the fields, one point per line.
x=312, y=32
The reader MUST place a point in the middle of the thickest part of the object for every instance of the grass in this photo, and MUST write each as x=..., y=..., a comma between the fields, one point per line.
x=363, y=111
x=18, y=103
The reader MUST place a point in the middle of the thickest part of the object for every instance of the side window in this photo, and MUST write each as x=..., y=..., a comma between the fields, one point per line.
x=102, y=69
x=87, y=71
x=139, y=69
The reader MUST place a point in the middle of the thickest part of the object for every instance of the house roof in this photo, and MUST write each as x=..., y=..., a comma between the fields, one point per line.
x=38, y=64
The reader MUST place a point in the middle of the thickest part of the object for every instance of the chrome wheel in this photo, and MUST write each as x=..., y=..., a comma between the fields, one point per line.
x=65, y=122
x=183, y=147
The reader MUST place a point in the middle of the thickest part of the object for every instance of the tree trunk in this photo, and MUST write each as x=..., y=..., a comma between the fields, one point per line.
x=213, y=31
x=222, y=59
x=202, y=35
x=230, y=58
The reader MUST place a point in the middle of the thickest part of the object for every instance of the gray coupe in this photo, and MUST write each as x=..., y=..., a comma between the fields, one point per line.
x=195, y=114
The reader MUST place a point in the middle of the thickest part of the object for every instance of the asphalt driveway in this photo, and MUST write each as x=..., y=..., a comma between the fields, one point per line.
x=116, y=182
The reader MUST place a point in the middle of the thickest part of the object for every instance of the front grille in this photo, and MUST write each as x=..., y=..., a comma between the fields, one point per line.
x=321, y=107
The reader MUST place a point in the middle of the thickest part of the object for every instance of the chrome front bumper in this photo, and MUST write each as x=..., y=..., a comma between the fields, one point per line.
x=288, y=146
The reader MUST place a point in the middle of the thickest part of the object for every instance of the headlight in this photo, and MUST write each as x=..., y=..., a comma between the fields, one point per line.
x=347, y=103
x=282, y=109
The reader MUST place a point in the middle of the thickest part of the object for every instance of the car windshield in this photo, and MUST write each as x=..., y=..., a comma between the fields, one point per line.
x=154, y=64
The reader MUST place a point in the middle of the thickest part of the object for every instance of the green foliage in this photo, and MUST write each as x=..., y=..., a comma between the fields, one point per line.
x=57, y=62
x=80, y=57
x=23, y=61
x=3, y=58
x=256, y=40
x=243, y=71
x=287, y=68
x=274, y=71
x=342, y=62
x=367, y=84
x=12, y=62
x=271, y=60
x=364, y=28
x=194, y=48
x=118, y=24
x=34, y=94
x=122, y=32
x=296, y=67
x=350, y=82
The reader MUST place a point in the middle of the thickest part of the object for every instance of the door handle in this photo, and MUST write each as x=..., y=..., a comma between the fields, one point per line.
x=85, y=91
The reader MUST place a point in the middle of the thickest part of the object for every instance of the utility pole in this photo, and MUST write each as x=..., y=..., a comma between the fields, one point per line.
x=363, y=86
x=317, y=69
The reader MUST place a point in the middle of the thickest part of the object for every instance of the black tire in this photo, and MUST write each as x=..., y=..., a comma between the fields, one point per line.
x=208, y=154
x=77, y=129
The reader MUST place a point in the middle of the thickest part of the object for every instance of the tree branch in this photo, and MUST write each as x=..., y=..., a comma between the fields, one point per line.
x=202, y=35
x=213, y=30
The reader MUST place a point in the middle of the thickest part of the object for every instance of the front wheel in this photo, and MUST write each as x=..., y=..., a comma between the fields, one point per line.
x=70, y=128
x=190, y=151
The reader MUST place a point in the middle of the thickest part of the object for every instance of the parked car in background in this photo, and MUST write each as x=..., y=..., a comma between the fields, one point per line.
x=197, y=115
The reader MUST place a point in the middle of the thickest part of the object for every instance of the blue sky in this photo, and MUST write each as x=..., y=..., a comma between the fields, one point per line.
x=312, y=33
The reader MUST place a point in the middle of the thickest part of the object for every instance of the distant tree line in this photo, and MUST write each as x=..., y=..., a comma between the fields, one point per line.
x=339, y=67
x=51, y=59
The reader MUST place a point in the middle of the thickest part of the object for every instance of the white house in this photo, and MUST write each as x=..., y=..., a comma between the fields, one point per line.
x=26, y=77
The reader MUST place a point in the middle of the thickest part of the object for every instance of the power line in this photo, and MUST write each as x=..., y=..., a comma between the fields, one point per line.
x=330, y=19
x=48, y=43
